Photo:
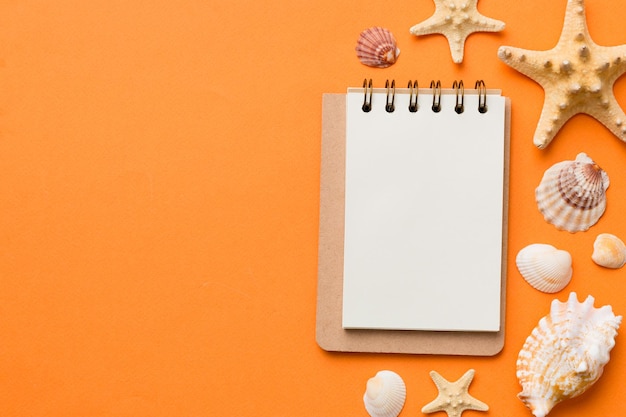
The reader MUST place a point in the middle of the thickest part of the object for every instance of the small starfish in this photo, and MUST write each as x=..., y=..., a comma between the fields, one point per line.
x=456, y=20
x=577, y=76
x=453, y=397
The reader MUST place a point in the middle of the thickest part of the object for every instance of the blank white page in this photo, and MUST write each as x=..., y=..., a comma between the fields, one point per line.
x=423, y=213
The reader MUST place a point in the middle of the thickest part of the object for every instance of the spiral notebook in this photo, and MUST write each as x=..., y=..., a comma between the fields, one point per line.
x=413, y=219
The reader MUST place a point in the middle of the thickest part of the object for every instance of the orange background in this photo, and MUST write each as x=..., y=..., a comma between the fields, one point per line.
x=159, y=174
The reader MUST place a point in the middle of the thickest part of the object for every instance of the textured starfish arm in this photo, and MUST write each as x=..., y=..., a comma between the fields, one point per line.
x=488, y=24
x=560, y=104
x=455, y=35
x=551, y=120
x=616, y=51
x=441, y=381
x=475, y=404
x=527, y=62
x=457, y=46
x=612, y=116
x=428, y=27
x=433, y=407
x=613, y=64
x=443, y=405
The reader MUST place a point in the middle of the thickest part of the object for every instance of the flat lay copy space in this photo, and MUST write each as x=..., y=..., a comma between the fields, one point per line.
x=323, y=208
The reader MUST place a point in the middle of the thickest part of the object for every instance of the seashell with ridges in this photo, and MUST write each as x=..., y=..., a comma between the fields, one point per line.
x=572, y=194
x=609, y=251
x=376, y=47
x=566, y=353
x=385, y=394
x=545, y=267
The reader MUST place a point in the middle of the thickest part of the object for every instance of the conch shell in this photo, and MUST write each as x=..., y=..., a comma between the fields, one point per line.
x=385, y=394
x=609, y=251
x=571, y=195
x=545, y=267
x=566, y=353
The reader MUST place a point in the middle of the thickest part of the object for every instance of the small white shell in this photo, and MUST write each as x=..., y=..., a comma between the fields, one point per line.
x=385, y=394
x=571, y=195
x=566, y=353
x=609, y=251
x=376, y=47
x=545, y=267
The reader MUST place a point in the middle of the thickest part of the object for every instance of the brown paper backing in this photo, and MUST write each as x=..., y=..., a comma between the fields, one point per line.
x=330, y=335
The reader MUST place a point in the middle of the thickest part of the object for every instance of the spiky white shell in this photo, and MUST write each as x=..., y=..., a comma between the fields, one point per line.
x=385, y=394
x=545, y=267
x=376, y=47
x=609, y=251
x=566, y=353
x=571, y=195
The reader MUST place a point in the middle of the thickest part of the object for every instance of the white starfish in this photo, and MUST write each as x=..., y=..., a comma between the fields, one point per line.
x=456, y=20
x=577, y=76
x=453, y=397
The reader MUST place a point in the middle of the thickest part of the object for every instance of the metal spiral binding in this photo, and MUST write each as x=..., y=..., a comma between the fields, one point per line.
x=460, y=96
x=436, y=86
x=482, y=96
x=413, y=93
x=391, y=92
x=367, y=99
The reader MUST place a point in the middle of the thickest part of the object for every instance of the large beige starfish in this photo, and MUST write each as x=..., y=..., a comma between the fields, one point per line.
x=577, y=76
x=453, y=397
x=456, y=20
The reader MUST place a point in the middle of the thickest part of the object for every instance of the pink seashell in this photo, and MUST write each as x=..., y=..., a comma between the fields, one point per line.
x=376, y=47
x=571, y=195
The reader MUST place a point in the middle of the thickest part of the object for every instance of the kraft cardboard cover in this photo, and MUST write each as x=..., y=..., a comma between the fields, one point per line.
x=329, y=332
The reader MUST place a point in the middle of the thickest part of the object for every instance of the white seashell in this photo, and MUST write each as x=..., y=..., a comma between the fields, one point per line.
x=566, y=353
x=385, y=394
x=545, y=267
x=609, y=251
x=376, y=47
x=571, y=195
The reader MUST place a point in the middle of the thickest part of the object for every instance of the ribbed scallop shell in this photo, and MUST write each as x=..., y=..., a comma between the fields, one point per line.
x=609, y=251
x=376, y=47
x=545, y=267
x=566, y=353
x=385, y=394
x=571, y=195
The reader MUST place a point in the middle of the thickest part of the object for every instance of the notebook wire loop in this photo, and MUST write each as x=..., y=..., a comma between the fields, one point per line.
x=436, y=87
x=367, y=95
x=391, y=96
x=460, y=96
x=482, y=96
x=413, y=93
